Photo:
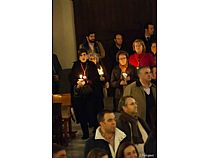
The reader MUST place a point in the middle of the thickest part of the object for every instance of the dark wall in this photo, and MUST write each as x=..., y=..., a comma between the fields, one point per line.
x=106, y=17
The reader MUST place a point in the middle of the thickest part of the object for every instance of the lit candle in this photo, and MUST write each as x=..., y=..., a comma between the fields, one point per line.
x=100, y=71
x=124, y=74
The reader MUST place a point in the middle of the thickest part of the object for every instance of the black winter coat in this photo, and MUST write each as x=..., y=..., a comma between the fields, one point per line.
x=83, y=103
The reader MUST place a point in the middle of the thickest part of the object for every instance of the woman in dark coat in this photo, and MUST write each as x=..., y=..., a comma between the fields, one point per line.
x=122, y=75
x=84, y=79
x=101, y=91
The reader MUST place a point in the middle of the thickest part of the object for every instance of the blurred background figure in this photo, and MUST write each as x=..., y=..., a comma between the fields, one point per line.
x=149, y=35
x=56, y=72
x=154, y=51
x=154, y=75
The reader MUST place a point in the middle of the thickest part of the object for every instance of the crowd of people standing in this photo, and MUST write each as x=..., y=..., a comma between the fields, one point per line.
x=132, y=77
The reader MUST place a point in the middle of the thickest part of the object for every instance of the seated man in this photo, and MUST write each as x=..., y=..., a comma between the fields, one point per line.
x=135, y=128
x=107, y=136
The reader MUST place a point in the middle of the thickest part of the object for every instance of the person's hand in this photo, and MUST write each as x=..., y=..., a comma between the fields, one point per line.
x=123, y=83
x=80, y=83
x=128, y=78
x=106, y=85
x=55, y=77
x=102, y=78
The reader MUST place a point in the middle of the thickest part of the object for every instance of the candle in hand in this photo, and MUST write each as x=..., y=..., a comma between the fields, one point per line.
x=100, y=71
x=124, y=74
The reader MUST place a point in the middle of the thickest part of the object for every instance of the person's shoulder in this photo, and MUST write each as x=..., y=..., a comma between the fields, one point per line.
x=131, y=67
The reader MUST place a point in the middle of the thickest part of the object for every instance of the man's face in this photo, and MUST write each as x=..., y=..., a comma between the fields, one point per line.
x=154, y=48
x=130, y=152
x=109, y=123
x=122, y=59
x=145, y=74
x=83, y=57
x=131, y=106
x=154, y=73
x=60, y=154
x=150, y=29
x=93, y=59
x=118, y=40
x=91, y=38
x=138, y=48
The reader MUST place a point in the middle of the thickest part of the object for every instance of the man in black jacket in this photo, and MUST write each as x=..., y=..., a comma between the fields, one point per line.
x=135, y=128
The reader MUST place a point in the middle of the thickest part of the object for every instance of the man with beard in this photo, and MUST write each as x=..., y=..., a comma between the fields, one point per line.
x=93, y=46
x=107, y=136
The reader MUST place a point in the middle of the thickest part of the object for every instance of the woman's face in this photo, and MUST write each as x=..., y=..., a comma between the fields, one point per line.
x=93, y=59
x=138, y=47
x=130, y=152
x=122, y=59
x=154, y=48
x=105, y=156
x=83, y=57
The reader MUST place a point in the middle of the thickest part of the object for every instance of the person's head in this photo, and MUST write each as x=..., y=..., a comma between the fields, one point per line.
x=93, y=57
x=82, y=53
x=154, y=72
x=154, y=47
x=59, y=151
x=139, y=46
x=127, y=150
x=122, y=57
x=149, y=29
x=118, y=39
x=107, y=121
x=97, y=153
x=128, y=105
x=144, y=73
x=91, y=36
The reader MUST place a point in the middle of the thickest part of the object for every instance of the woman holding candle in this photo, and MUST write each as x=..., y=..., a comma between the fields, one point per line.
x=84, y=79
x=122, y=75
x=101, y=91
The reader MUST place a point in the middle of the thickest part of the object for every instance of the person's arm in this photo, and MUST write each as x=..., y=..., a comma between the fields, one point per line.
x=127, y=91
x=115, y=80
x=101, y=50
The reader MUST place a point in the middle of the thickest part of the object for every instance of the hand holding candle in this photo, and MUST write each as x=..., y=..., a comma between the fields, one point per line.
x=100, y=71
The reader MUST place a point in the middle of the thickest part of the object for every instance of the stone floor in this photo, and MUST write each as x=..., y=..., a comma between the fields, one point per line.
x=76, y=145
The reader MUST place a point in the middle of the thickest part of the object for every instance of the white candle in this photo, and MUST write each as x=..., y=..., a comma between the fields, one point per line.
x=124, y=74
x=80, y=76
x=100, y=71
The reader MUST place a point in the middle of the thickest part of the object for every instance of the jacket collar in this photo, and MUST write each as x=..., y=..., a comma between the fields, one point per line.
x=139, y=84
x=119, y=135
